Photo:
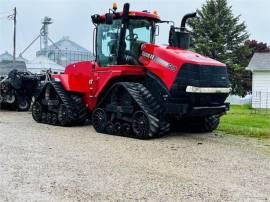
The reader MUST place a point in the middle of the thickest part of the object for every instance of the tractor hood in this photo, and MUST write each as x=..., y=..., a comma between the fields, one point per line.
x=166, y=61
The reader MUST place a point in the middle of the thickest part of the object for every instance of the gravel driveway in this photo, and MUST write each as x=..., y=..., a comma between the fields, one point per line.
x=45, y=163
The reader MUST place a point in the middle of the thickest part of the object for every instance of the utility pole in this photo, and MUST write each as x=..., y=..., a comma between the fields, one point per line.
x=14, y=36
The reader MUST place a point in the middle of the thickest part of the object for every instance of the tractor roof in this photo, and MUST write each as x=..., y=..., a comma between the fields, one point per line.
x=135, y=14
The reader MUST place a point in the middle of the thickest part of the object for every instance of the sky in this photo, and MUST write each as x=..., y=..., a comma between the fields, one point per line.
x=73, y=18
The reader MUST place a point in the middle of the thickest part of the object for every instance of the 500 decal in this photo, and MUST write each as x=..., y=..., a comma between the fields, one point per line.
x=159, y=61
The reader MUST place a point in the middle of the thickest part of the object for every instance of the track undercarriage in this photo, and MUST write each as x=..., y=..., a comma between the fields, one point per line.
x=55, y=106
x=128, y=109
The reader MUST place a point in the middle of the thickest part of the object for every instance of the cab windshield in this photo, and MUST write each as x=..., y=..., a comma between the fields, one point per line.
x=139, y=31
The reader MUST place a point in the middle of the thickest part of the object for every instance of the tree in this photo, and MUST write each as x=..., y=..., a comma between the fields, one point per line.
x=256, y=46
x=218, y=34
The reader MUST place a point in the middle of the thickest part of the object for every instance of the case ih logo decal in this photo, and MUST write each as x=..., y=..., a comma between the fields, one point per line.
x=159, y=61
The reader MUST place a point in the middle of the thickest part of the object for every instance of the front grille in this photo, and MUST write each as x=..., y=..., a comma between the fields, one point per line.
x=200, y=76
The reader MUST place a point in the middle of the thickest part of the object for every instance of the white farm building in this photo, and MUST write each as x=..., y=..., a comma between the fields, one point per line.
x=41, y=64
x=65, y=52
x=260, y=68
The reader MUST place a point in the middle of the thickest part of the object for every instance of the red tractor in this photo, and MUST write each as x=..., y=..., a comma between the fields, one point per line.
x=135, y=87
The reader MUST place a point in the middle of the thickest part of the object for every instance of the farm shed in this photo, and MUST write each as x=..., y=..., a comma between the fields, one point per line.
x=6, y=56
x=65, y=52
x=260, y=68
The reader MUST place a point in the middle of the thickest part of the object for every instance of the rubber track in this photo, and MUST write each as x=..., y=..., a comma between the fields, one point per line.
x=159, y=126
x=67, y=100
x=150, y=106
x=81, y=109
x=76, y=110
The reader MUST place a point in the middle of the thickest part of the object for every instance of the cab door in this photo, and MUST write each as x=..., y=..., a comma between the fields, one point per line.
x=107, y=38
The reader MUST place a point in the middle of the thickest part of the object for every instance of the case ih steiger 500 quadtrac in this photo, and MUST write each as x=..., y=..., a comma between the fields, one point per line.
x=134, y=87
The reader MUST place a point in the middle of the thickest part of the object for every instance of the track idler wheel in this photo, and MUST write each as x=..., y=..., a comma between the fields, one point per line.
x=126, y=130
x=141, y=125
x=54, y=119
x=117, y=128
x=110, y=128
x=37, y=112
x=99, y=120
x=44, y=117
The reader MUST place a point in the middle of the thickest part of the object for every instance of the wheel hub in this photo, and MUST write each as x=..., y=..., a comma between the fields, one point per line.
x=99, y=119
x=140, y=124
x=37, y=111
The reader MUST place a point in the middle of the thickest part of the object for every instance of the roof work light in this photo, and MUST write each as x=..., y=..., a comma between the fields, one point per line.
x=114, y=6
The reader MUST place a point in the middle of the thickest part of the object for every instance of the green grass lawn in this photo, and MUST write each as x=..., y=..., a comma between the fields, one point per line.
x=241, y=120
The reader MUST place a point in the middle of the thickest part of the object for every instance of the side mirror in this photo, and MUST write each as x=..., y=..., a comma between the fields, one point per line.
x=157, y=30
x=94, y=42
x=109, y=18
x=95, y=18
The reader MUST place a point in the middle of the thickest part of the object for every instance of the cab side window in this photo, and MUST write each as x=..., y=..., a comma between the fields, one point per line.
x=107, y=46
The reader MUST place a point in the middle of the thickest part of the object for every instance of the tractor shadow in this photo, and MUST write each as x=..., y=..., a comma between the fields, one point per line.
x=179, y=134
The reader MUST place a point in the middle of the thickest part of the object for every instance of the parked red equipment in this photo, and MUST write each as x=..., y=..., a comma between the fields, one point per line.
x=135, y=87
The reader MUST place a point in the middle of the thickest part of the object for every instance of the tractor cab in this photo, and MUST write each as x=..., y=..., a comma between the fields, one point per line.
x=119, y=35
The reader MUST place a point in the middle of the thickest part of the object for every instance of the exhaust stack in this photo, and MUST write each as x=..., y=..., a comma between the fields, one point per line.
x=180, y=37
x=185, y=18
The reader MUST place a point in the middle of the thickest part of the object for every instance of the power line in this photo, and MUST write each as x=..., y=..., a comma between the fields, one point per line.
x=8, y=17
x=6, y=12
x=3, y=17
